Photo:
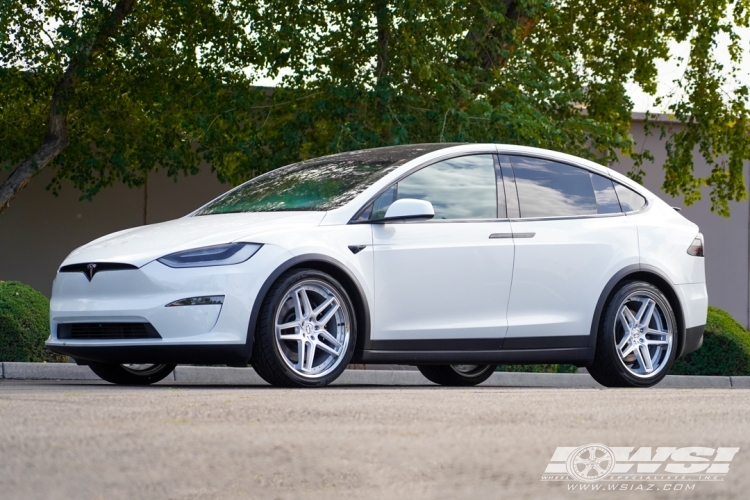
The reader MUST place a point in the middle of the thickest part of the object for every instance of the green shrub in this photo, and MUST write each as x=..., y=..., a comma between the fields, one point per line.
x=24, y=324
x=538, y=368
x=725, y=350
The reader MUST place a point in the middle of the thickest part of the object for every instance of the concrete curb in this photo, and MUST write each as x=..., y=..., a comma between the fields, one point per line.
x=212, y=375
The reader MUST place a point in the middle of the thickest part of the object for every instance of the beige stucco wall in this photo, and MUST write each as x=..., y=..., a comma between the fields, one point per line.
x=39, y=230
x=726, y=239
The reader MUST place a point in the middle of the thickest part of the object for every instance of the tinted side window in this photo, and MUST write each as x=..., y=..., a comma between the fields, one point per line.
x=629, y=199
x=606, y=198
x=551, y=189
x=459, y=188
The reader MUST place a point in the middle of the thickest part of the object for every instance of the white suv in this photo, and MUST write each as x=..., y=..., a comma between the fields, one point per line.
x=454, y=258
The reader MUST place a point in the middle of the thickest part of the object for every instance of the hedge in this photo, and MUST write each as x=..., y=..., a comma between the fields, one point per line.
x=725, y=350
x=24, y=324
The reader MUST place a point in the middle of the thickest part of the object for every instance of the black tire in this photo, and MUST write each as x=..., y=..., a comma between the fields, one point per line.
x=122, y=375
x=268, y=360
x=450, y=375
x=608, y=368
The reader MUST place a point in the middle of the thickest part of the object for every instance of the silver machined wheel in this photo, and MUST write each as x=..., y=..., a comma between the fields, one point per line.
x=643, y=335
x=142, y=369
x=312, y=329
x=471, y=370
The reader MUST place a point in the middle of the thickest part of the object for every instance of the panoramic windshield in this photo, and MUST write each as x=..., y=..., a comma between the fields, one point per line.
x=321, y=184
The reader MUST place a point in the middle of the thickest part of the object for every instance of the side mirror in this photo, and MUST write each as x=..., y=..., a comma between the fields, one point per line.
x=408, y=209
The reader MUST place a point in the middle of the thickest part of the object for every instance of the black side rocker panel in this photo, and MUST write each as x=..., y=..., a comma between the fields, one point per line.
x=576, y=356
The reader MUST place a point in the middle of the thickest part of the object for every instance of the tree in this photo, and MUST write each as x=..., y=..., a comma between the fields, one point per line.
x=106, y=92
x=547, y=73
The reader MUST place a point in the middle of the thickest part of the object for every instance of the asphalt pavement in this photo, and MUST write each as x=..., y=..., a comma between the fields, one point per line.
x=91, y=440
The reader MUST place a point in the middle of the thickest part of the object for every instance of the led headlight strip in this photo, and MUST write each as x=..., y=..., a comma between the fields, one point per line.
x=217, y=255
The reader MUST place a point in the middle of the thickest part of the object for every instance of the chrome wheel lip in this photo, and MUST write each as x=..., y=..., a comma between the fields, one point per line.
x=470, y=370
x=633, y=345
x=310, y=329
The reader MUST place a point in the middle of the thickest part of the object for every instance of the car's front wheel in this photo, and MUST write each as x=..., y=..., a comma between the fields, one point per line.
x=306, y=331
x=457, y=375
x=131, y=374
x=636, y=342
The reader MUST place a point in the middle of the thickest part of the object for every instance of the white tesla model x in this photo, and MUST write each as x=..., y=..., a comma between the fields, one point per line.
x=453, y=258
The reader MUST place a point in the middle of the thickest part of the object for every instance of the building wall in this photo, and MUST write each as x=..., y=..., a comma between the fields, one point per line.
x=38, y=230
x=726, y=239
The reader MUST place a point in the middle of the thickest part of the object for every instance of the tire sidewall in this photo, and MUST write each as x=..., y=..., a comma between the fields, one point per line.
x=608, y=326
x=445, y=375
x=286, y=283
x=118, y=374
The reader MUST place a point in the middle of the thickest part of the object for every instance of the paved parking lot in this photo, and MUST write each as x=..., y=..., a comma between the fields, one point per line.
x=88, y=440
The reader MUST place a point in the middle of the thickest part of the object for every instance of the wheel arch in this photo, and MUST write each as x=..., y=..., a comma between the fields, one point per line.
x=649, y=274
x=329, y=266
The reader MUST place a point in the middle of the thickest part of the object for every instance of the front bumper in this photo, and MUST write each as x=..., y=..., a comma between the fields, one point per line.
x=189, y=334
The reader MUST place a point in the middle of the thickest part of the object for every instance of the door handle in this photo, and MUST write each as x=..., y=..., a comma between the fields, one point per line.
x=494, y=236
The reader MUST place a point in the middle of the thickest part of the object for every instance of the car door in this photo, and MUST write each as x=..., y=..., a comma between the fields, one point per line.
x=444, y=283
x=570, y=238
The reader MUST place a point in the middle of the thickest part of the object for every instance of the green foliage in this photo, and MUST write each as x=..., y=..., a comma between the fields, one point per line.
x=538, y=368
x=174, y=87
x=24, y=324
x=725, y=350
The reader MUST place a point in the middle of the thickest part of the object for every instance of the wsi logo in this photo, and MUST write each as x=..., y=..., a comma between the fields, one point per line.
x=597, y=462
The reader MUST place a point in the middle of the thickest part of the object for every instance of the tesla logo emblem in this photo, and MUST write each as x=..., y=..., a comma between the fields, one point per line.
x=90, y=271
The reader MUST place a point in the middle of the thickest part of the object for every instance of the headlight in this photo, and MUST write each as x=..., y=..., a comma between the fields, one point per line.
x=219, y=255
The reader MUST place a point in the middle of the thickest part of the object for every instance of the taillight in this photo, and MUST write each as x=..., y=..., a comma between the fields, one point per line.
x=696, y=247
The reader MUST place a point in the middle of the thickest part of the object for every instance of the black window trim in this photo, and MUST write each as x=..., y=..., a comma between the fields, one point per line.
x=645, y=207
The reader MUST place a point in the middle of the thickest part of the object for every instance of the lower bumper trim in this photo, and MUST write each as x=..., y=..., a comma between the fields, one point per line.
x=226, y=354
x=693, y=339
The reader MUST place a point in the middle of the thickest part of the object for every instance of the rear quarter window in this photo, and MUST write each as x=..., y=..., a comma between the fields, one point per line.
x=630, y=201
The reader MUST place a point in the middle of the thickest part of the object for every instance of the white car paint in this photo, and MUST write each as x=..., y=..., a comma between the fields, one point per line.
x=445, y=280
x=560, y=273
x=422, y=280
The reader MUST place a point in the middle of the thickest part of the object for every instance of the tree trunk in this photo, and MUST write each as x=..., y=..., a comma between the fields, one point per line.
x=145, y=201
x=381, y=16
x=491, y=55
x=56, y=139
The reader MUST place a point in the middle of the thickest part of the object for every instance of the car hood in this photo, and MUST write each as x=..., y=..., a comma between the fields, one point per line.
x=140, y=245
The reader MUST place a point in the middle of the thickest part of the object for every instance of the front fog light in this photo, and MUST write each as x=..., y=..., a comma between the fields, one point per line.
x=219, y=255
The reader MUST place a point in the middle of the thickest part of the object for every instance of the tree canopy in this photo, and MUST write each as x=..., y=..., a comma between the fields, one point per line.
x=106, y=92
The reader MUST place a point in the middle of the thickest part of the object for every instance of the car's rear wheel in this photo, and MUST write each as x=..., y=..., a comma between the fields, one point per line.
x=306, y=331
x=131, y=374
x=457, y=375
x=636, y=342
